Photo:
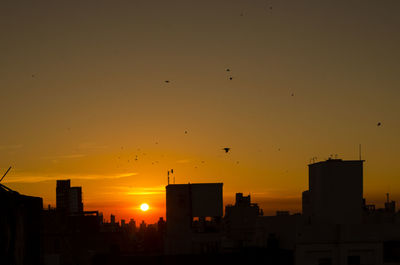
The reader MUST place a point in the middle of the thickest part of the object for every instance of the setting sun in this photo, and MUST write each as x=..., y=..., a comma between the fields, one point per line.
x=144, y=207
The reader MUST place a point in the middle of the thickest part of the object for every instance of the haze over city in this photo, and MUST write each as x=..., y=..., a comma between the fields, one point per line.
x=113, y=95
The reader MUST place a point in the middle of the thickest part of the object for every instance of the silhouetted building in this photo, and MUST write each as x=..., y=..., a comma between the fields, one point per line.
x=112, y=219
x=20, y=228
x=194, y=213
x=68, y=199
x=335, y=194
x=161, y=226
x=75, y=200
x=390, y=206
x=338, y=226
x=62, y=194
x=132, y=226
x=241, y=222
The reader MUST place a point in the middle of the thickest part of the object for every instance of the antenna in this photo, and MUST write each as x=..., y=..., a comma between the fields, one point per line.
x=168, y=177
x=5, y=174
x=359, y=151
x=387, y=197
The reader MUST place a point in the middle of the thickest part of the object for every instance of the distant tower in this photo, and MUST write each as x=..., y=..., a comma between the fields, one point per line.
x=62, y=195
x=112, y=219
x=390, y=206
x=75, y=200
x=68, y=199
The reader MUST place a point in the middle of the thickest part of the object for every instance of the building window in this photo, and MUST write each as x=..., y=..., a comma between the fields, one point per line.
x=353, y=260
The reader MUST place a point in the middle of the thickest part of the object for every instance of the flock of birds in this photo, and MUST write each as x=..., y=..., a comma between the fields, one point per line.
x=136, y=158
x=226, y=149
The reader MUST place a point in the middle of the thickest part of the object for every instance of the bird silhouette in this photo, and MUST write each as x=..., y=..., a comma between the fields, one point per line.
x=228, y=70
x=226, y=149
x=166, y=81
x=379, y=124
x=185, y=132
x=230, y=78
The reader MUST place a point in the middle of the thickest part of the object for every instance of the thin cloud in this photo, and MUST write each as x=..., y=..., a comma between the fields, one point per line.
x=71, y=156
x=143, y=190
x=35, y=178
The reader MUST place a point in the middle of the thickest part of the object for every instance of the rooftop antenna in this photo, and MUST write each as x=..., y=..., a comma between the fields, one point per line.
x=5, y=174
x=172, y=171
x=359, y=151
x=387, y=197
x=168, y=177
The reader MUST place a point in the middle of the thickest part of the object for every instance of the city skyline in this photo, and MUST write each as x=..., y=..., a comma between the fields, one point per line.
x=114, y=95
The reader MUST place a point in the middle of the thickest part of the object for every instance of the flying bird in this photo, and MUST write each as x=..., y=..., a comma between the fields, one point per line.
x=226, y=149
x=230, y=78
x=166, y=81
x=185, y=132
x=379, y=124
x=228, y=70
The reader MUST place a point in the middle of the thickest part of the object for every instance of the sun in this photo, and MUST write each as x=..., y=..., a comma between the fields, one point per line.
x=144, y=207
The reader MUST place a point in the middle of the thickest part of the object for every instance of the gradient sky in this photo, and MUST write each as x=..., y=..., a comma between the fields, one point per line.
x=82, y=94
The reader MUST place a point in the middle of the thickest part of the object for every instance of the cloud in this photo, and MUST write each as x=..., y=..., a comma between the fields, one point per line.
x=35, y=178
x=141, y=190
x=71, y=156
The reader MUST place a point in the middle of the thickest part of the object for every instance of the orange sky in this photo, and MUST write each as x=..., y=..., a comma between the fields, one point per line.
x=83, y=93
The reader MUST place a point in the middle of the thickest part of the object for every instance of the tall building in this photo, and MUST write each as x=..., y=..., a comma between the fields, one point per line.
x=75, y=200
x=62, y=194
x=194, y=213
x=335, y=194
x=68, y=199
